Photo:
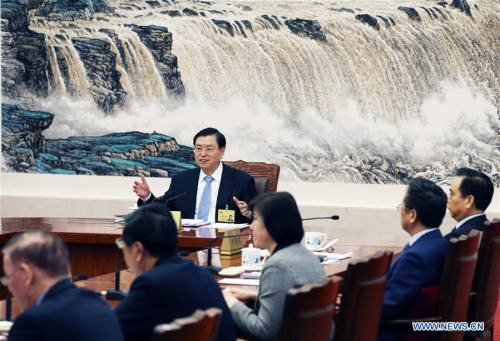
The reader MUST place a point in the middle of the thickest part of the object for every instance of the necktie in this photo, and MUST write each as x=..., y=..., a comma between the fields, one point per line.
x=206, y=197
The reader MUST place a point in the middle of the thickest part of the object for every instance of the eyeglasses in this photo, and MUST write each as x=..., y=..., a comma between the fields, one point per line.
x=120, y=243
x=5, y=279
x=200, y=149
x=400, y=206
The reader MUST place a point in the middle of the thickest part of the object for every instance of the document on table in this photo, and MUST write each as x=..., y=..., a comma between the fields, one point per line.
x=239, y=281
x=224, y=226
x=194, y=222
x=333, y=257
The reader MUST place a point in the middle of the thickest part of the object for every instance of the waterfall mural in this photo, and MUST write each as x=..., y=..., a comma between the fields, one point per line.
x=333, y=91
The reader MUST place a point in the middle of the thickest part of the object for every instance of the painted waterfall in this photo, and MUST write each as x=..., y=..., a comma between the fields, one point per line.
x=357, y=91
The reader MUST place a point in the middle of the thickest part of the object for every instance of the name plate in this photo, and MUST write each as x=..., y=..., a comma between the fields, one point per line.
x=231, y=246
x=176, y=215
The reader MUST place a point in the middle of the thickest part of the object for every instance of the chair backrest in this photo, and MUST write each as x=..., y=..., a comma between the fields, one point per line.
x=362, y=297
x=201, y=326
x=487, y=276
x=265, y=174
x=456, y=282
x=308, y=312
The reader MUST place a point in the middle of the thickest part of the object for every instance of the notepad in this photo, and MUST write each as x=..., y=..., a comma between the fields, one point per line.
x=239, y=281
x=225, y=226
x=251, y=275
x=194, y=222
x=333, y=257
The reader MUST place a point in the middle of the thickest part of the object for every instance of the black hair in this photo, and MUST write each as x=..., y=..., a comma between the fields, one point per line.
x=43, y=249
x=281, y=216
x=428, y=199
x=221, y=139
x=477, y=184
x=154, y=227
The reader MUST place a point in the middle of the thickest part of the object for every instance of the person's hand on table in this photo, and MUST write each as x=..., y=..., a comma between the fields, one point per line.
x=235, y=294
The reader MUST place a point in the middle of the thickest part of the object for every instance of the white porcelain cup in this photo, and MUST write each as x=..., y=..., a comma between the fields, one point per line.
x=250, y=258
x=314, y=240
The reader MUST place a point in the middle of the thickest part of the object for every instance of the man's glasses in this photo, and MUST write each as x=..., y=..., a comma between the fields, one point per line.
x=5, y=279
x=120, y=243
x=200, y=149
x=400, y=206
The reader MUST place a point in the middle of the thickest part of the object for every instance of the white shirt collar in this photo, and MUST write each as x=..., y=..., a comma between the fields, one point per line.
x=217, y=174
x=463, y=221
x=420, y=234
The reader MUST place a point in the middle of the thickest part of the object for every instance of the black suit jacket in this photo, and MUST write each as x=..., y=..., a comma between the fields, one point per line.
x=233, y=183
x=472, y=224
x=174, y=288
x=67, y=313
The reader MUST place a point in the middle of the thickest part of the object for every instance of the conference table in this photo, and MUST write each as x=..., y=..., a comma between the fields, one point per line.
x=106, y=282
x=90, y=241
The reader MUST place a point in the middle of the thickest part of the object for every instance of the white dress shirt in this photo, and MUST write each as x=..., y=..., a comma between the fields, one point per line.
x=215, y=192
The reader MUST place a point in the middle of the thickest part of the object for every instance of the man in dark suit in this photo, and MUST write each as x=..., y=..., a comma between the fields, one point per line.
x=470, y=195
x=167, y=287
x=228, y=188
x=37, y=270
x=421, y=261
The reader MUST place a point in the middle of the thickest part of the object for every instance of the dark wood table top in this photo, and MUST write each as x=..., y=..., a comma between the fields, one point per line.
x=107, y=281
x=89, y=231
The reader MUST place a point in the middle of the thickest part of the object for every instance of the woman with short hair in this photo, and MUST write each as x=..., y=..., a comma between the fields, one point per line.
x=277, y=227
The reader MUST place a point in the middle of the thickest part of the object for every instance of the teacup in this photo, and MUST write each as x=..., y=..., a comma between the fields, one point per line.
x=250, y=258
x=314, y=240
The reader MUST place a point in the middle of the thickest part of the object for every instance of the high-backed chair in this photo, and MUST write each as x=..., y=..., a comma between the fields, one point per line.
x=201, y=326
x=484, y=297
x=453, y=292
x=265, y=174
x=362, y=292
x=308, y=312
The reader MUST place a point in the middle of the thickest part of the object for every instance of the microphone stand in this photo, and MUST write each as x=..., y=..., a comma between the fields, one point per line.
x=117, y=294
x=169, y=199
x=8, y=307
x=215, y=269
x=333, y=217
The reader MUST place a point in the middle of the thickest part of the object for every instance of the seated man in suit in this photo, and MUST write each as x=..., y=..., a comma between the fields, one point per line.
x=167, y=287
x=201, y=192
x=470, y=195
x=421, y=261
x=36, y=265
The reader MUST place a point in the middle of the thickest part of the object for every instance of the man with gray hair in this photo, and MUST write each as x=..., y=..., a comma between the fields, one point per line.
x=37, y=271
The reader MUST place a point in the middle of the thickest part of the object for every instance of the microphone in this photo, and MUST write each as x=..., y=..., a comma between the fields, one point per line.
x=333, y=217
x=80, y=277
x=169, y=199
x=117, y=294
x=215, y=269
x=8, y=307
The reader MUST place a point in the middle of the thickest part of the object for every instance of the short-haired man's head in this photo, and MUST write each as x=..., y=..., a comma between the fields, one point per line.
x=154, y=227
x=281, y=216
x=477, y=184
x=428, y=199
x=221, y=139
x=43, y=249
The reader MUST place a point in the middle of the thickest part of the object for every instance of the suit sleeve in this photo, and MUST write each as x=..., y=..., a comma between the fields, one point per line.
x=168, y=194
x=26, y=328
x=403, y=285
x=250, y=191
x=139, y=312
x=265, y=323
